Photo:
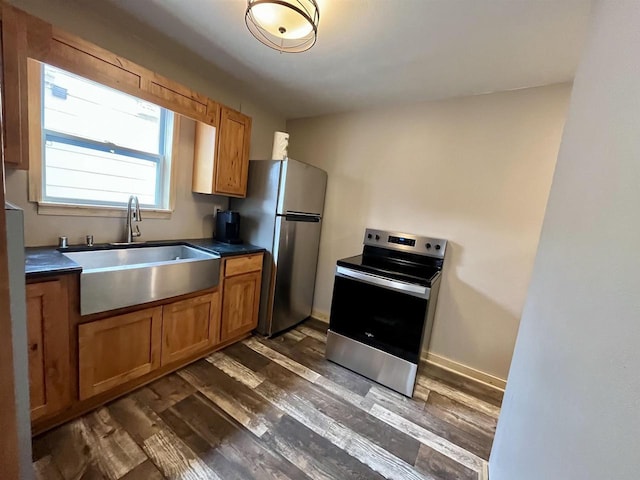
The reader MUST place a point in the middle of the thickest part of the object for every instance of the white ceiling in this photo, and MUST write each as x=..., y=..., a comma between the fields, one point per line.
x=379, y=52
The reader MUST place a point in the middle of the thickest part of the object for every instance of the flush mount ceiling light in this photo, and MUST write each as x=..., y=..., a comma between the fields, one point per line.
x=284, y=25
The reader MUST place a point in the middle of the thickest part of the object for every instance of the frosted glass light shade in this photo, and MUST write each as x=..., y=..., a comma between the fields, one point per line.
x=284, y=25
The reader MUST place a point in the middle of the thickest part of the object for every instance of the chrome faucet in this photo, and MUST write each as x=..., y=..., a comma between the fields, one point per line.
x=133, y=215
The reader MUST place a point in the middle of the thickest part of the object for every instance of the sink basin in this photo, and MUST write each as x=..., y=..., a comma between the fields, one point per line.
x=124, y=277
x=135, y=257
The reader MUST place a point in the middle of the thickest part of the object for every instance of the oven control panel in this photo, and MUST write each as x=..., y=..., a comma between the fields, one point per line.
x=406, y=242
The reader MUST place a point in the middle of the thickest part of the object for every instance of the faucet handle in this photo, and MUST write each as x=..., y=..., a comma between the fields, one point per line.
x=136, y=233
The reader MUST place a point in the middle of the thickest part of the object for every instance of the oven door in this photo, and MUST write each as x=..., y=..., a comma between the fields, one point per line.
x=384, y=313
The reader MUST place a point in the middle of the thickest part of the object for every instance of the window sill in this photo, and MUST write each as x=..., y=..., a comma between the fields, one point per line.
x=69, y=210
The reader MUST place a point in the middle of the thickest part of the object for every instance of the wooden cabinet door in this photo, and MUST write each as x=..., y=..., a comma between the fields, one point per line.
x=14, y=88
x=190, y=326
x=232, y=163
x=115, y=350
x=48, y=343
x=241, y=300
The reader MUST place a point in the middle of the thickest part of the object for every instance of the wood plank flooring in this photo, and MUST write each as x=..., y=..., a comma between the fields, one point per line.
x=276, y=409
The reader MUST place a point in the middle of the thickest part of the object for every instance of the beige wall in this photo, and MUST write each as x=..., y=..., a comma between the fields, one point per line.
x=96, y=21
x=474, y=170
x=192, y=217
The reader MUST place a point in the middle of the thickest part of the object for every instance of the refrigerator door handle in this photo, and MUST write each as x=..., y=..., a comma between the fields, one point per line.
x=301, y=217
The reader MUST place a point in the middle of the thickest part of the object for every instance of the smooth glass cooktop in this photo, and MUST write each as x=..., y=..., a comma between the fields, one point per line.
x=393, y=268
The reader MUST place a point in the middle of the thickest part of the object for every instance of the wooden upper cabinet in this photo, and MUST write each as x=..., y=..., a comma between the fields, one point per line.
x=221, y=163
x=190, y=326
x=204, y=158
x=234, y=140
x=26, y=37
x=14, y=88
x=48, y=348
x=118, y=349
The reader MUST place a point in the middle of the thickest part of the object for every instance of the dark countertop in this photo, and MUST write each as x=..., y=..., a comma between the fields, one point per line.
x=43, y=261
x=223, y=249
x=47, y=261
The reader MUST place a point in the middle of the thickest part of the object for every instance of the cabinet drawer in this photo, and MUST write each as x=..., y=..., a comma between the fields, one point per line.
x=240, y=265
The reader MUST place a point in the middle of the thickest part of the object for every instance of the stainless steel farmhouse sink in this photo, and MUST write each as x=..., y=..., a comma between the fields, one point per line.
x=123, y=277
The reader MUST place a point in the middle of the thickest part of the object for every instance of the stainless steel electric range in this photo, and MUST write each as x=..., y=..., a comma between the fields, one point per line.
x=383, y=306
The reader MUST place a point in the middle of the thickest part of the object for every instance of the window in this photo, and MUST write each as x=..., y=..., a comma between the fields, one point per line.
x=101, y=145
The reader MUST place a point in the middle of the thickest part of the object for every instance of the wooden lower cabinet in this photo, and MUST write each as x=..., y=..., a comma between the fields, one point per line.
x=48, y=347
x=240, y=304
x=115, y=350
x=119, y=353
x=190, y=326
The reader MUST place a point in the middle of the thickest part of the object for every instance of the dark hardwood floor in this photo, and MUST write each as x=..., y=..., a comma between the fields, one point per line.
x=276, y=409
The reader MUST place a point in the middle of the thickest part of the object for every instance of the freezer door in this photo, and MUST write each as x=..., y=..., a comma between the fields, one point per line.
x=302, y=188
x=296, y=259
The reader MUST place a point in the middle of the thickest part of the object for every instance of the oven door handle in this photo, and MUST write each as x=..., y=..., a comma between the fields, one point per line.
x=396, y=285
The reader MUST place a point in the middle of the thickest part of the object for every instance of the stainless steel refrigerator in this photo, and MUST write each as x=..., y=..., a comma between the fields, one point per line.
x=283, y=213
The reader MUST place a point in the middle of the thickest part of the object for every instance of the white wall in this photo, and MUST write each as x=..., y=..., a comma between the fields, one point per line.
x=474, y=170
x=572, y=405
x=100, y=23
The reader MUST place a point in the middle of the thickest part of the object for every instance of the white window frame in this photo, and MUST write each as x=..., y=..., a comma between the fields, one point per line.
x=72, y=207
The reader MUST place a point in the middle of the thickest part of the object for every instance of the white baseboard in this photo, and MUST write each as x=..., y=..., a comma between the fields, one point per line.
x=484, y=473
x=320, y=315
x=443, y=362
x=465, y=371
